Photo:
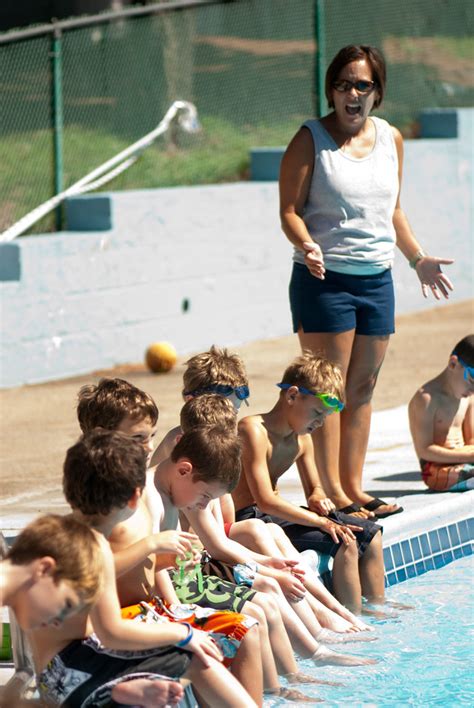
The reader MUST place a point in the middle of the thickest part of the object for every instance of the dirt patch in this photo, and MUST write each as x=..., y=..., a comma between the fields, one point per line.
x=259, y=47
x=429, y=51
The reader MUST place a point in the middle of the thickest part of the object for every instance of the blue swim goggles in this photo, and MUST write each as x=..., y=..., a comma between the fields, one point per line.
x=241, y=392
x=468, y=370
x=329, y=401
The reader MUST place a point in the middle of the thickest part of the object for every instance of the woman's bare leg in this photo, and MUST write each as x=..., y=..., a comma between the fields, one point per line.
x=366, y=360
x=337, y=347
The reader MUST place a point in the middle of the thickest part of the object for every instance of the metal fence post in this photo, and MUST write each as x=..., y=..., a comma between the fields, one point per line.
x=321, y=103
x=57, y=117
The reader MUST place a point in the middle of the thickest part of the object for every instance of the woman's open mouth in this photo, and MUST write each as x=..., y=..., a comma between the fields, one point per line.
x=353, y=109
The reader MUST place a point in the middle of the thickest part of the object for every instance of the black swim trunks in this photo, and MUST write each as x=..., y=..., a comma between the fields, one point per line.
x=310, y=537
x=84, y=673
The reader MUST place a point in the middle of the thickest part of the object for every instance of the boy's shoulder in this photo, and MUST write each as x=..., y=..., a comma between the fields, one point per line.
x=253, y=426
x=429, y=395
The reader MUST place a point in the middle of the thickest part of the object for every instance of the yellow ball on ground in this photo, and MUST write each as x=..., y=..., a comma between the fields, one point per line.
x=160, y=357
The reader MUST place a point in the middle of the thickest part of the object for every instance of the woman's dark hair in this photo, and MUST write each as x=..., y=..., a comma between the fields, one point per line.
x=356, y=52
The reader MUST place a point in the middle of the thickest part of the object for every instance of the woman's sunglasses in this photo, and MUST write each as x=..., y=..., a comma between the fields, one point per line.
x=329, y=401
x=360, y=86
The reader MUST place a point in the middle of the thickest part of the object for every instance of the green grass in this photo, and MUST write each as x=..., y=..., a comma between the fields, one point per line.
x=219, y=153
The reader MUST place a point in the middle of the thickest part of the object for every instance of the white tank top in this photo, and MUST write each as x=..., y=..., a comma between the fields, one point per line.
x=351, y=202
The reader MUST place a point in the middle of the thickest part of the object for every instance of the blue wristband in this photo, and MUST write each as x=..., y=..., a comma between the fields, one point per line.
x=187, y=638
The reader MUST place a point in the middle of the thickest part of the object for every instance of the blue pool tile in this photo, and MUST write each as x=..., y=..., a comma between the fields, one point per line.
x=463, y=531
x=406, y=550
x=425, y=545
x=457, y=552
x=467, y=550
x=388, y=559
x=391, y=579
x=434, y=542
x=470, y=525
x=411, y=572
x=438, y=560
x=453, y=535
x=429, y=564
x=401, y=575
x=444, y=538
x=415, y=547
x=397, y=555
x=420, y=567
x=448, y=557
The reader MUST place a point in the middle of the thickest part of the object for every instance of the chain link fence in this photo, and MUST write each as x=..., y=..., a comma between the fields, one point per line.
x=73, y=98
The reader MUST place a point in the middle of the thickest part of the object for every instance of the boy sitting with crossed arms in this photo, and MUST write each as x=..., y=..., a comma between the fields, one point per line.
x=441, y=417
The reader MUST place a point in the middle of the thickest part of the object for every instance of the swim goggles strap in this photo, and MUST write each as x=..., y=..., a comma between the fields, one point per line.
x=329, y=401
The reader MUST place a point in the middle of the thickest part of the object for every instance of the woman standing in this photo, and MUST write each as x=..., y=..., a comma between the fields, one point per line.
x=340, y=207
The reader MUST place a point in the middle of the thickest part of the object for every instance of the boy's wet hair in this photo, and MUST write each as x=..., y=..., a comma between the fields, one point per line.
x=316, y=373
x=109, y=402
x=208, y=409
x=73, y=546
x=102, y=471
x=214, y=453
x=216, y=366
x=465, y=350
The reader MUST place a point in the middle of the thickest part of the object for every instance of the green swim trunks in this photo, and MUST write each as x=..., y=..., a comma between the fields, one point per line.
x=211, y=591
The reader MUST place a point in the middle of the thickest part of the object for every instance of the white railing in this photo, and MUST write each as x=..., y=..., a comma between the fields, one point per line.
x=187, y=119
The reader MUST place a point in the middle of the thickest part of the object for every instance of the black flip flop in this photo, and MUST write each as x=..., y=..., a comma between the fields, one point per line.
x=351, y=508
x=376, y=503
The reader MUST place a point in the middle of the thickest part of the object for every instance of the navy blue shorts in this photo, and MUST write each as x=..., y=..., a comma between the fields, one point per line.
x=310, y=537
x=342, y=302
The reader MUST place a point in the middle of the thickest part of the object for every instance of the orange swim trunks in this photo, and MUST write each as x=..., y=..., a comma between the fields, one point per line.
x=227, y=628
x=441, y=478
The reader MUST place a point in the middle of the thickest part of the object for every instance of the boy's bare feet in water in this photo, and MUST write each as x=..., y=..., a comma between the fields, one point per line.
x=291, y=694
x=304, y=678
x=148, y=693
x=378, y=614
x=327, y=636
x=327, y=657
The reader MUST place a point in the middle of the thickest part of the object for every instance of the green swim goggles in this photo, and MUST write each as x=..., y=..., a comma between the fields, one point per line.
x=331, y=402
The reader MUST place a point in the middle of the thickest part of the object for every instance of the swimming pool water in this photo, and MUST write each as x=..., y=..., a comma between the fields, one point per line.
x=426, y=654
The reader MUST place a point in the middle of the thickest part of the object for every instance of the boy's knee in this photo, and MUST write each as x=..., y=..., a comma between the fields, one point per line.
x=266, y=584
x=253, y=610
x=350, y=553
x=375, y=546
x=268, y=604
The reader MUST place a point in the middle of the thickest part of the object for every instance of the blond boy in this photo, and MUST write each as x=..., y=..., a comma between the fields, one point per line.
x=441, y=415
x=310, y=390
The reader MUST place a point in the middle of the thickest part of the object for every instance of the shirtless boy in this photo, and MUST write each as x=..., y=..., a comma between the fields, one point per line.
x=311, y=389
x=84, y=659
x=441, y=415
x=52, y=570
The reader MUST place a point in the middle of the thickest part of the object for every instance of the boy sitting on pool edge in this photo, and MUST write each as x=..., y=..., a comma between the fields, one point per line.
x=441, y=415
x=311, y=389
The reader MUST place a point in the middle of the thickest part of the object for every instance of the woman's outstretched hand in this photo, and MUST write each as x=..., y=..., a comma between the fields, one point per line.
x=431, y=276
x=314, y=260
